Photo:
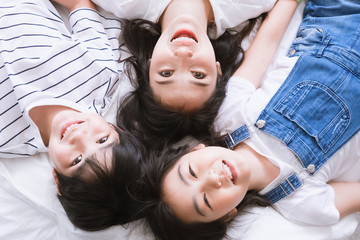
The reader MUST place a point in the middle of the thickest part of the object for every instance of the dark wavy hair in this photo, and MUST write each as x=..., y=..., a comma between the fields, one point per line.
x=141, y=111
x=159, y=216
x=101, y=196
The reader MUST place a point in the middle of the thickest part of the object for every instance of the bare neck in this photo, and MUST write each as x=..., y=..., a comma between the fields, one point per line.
x=43, y=116
x=263, y=171
x=199, y=9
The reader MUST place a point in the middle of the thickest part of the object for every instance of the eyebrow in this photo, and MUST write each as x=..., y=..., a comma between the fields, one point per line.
x=196, y=205
x=169, y=81
x=182, y=176
x=94, y=156
x=197, y=208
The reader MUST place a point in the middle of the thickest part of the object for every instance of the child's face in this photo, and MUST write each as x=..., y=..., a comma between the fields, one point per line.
x=76, y=136
x=206, y=184
x=183, y=68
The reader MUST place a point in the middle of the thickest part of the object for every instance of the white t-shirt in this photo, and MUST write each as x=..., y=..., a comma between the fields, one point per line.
x=43, y=61
x=313, y=203
x=227, y=13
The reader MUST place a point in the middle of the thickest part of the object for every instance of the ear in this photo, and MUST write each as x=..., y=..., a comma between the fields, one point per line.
x=198, y=147
x=230, y=215
x=218, y=67
x=56, y=181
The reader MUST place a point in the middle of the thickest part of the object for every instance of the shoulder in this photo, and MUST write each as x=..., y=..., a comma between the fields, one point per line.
x=131, y=9
x=313, y=204
x=231, y=13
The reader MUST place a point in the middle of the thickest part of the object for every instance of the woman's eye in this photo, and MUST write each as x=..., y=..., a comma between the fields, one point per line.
x=199, y=75
x=166, y=73
x=192, y=173
x=207, y=201
x=102, y=140
x=77, y=160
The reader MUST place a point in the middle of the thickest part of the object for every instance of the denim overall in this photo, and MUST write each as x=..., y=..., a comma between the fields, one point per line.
x=317, y=109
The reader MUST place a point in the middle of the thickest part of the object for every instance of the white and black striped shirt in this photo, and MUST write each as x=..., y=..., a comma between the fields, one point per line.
x=42, y=62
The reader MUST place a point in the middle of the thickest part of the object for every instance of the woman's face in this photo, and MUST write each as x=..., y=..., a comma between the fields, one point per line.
x=76, y=136
x=206, y=184
x=183, y=68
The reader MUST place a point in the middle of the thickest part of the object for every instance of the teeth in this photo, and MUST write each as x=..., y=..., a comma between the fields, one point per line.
x=68, y=128
x=182, y=39
x=227, y=170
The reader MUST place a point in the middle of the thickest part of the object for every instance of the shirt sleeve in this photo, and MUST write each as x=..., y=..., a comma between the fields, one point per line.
x=312, y=204
x=231, y=13
x=43, y=59
x=131, y=9
x=232, y=113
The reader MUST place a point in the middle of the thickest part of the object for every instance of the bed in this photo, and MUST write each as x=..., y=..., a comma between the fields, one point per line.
x=29, y=208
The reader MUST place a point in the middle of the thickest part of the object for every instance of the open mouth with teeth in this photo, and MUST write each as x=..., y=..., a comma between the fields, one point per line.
x=184, y=36
x=67, y=128
x=229, y=170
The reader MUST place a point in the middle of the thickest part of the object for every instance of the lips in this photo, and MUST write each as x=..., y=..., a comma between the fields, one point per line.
x=230, y=171
x=184, y=36
x=67, y=128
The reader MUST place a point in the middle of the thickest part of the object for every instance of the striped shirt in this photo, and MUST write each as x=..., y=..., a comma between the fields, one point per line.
x=44, y=61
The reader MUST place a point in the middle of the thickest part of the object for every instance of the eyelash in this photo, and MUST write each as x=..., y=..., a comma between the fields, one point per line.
x=170, y=72
x=192, y=173
x=162, y=73
x=77, y=160
x=106, y=138
x=202, y=75
x=206, y=201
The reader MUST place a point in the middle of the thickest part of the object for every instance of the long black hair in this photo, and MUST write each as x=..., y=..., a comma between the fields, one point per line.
x=159, y=216
x=141, y=111
x=100, y=196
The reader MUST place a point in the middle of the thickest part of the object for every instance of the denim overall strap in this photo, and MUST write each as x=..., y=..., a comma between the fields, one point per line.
x=237, y=136
x=285, y=188
x=316, y=110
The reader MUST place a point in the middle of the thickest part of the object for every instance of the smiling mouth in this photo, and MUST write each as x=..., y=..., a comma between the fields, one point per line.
x=67, y=128
x=184, y=36
x=229, y=170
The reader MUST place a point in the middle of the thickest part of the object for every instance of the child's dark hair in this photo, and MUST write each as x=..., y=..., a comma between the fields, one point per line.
x=141, y=111
x=161, y=219
x=101, y=196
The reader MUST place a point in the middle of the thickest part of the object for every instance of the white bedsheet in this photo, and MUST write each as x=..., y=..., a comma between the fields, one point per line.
x=29, y=208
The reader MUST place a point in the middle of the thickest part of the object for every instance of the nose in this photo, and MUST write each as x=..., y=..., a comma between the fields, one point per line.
x=213, y=179
x=78, y=136
x=183, y=51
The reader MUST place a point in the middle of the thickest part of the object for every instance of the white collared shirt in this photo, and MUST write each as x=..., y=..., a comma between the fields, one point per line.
x=227, y=13
x=44, y=61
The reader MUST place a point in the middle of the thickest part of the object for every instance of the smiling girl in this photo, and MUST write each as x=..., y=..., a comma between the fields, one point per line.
x=56, y=85
x=288, y=149
x=182, y=54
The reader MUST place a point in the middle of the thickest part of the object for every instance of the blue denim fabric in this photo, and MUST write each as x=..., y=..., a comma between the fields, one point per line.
x=237, y=136
x=317, y=109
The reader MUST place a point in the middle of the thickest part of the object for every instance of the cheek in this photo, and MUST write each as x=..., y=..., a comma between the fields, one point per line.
x=52, y=150
x=97, y=120
x=208, y=51
x=57, y=154
x=229, y=200
x=160, y=46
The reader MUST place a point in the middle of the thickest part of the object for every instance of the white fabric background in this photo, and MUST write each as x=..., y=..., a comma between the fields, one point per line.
x=29, y=209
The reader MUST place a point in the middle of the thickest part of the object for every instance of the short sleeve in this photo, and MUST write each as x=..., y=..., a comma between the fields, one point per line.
x=131, y=9
x=313, y=203
x=233, y=109
x=231, y=13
